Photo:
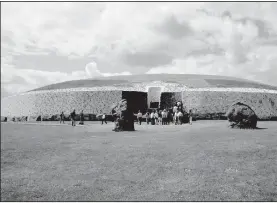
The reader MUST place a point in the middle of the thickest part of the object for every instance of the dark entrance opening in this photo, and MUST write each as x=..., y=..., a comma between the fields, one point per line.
x=136, y=100
x=168, y=99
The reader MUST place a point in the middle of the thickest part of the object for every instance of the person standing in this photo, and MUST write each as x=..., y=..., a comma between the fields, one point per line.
x=139, y=117
x=152, y=117
x=82, y=118
x=62, y=118
x=175, y=108
x=164, y=116
x=156, y=115
x=180, y=117
x=73, y=115
x=104, y=118
x=168, y=119
x=147, y=116
x=175, y=117
x=190, y=117
x=160, y=117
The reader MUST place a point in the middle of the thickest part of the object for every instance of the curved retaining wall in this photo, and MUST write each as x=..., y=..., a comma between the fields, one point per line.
x=97, y=100
x=207, y=101
x=53, y=102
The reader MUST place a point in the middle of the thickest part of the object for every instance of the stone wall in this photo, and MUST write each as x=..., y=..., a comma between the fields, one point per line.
x=208, y=102
x=53, y=102
x=94, y=100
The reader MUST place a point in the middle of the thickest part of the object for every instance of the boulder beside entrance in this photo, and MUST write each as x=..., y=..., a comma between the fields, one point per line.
x=125, y=117
x=241, y=116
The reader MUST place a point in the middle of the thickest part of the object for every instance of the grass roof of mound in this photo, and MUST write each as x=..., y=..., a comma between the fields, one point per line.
x=189, y=80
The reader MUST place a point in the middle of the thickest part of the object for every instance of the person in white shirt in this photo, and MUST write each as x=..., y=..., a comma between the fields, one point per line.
x=156, y=117
x=152, y=116
x=104, y=119
x=147, y=116
x=175, y=118
x=139, y=117
x=164, y=117
x=180, y=117
x=175, y=108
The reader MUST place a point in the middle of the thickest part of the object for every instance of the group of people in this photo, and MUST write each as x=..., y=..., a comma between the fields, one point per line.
x=154, y=117
x=164, y=117
x=73, y=118
x=103, y=118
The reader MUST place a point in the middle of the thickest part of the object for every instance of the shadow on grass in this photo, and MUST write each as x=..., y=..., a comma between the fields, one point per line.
x=257, y=128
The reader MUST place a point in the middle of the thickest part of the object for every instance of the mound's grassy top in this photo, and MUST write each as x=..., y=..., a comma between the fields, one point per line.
x=192, y=81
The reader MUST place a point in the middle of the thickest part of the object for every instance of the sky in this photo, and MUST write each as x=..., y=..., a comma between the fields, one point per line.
x=50, y=42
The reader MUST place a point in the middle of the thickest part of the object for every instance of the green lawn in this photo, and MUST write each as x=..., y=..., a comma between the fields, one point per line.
x=203, y=162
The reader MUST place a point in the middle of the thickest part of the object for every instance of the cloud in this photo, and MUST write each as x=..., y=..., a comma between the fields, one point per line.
x=49, y=42
x=92, y=70
x=20, y=80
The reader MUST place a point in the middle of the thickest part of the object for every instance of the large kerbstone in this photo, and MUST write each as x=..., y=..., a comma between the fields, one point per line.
x=125, y=115
x=241, y=116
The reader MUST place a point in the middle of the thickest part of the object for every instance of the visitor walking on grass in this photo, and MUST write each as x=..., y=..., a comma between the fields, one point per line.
x=73, y=115
x=62, y=118
x=139, y=117
x=104, y=118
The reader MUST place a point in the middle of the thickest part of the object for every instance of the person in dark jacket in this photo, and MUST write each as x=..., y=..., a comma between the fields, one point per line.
x=62, y=118
x=114, y=115
x=190, y=117
x=73, y=115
